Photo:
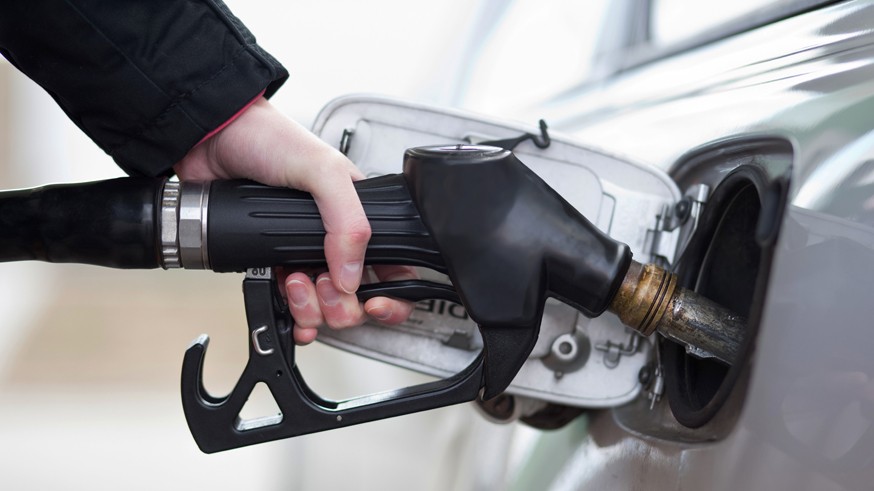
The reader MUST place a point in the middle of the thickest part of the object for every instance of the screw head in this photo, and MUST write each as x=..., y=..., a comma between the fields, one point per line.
x=644, y=376
x=682, y=209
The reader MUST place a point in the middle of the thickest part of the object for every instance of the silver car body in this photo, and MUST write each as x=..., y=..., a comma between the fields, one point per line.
x=806, y=418
x=794, y=97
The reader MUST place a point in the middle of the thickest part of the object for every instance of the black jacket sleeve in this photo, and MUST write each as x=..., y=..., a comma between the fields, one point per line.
x=145, y=79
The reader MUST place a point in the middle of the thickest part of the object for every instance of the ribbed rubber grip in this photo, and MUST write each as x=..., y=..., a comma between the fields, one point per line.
x=250, y=225
x=107, y=223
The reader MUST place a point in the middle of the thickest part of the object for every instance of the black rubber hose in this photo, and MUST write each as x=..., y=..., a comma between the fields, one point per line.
x=109, y=223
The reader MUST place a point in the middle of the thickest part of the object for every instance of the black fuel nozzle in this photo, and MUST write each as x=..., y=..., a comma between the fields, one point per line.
x=506, y=240
x=509, y=242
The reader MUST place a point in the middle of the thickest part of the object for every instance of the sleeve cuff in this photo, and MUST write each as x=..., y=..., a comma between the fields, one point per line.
x=231, y=119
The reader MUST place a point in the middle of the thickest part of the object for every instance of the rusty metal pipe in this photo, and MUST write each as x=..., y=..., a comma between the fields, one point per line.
x=649, y=300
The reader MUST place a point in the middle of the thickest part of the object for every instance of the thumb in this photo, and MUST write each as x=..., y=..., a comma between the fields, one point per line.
x=346, y=226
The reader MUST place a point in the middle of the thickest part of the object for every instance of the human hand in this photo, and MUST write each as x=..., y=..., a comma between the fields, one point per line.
x=264, y=145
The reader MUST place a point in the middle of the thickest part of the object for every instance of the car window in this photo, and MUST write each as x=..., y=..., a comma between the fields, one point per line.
x=675, y=26
x=675, y=20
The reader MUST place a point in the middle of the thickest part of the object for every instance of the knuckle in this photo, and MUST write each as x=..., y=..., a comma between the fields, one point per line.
x=344, y=319
x=359, y=232
x=305, y=318
x=339, y=323
x=305, y=322
x=333, y=165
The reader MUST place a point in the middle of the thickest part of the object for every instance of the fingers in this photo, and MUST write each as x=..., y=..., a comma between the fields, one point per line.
x=321, y=303
x=303, y=303
x=340, y=309
x=315, y=304
x=386, y=310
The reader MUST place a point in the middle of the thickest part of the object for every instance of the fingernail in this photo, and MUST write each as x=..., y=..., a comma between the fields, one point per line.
x=350, y=276
x=297, y=293
x=327, y=293
x=380, y=313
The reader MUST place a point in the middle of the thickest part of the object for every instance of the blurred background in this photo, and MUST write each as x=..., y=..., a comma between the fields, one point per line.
x=90, y=358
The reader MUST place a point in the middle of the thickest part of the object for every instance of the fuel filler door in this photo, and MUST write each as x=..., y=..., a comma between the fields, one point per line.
x=577, y=361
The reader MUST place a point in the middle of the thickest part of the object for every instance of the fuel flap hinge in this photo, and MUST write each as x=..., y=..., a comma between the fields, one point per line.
x=675, y=225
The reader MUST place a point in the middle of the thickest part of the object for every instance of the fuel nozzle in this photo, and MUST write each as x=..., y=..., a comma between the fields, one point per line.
x=650, y=300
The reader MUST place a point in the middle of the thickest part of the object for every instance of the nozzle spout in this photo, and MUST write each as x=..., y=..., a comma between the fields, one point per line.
x=649, y=300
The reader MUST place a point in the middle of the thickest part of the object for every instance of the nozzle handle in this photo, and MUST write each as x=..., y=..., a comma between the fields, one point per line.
x=251, y=225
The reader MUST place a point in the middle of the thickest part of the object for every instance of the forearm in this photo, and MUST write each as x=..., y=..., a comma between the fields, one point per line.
x=146, y=80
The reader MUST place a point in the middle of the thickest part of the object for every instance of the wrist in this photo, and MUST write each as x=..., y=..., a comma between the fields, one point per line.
x=231, y=119
x=198, y=163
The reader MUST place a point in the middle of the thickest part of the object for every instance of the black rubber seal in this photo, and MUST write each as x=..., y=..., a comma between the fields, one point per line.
x=727, y=261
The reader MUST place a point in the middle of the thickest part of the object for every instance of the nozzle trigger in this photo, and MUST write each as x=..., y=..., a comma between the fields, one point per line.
x=215, y=422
